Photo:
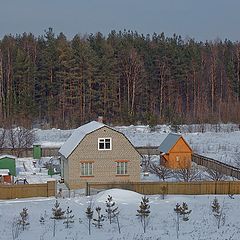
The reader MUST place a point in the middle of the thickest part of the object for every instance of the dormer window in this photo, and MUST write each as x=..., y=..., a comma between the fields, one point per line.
x=105, y=144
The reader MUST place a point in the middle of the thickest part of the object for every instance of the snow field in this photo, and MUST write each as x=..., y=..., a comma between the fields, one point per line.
x=162, y=221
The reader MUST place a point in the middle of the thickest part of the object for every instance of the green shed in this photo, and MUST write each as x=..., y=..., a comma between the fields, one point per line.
x=37, y=151
x=8, y=162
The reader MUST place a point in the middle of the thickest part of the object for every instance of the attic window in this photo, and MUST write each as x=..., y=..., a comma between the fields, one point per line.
x=105, y=144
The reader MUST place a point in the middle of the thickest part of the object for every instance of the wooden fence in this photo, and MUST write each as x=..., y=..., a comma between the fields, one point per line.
x=183, y=188
x=218, y=166
x=27, y=190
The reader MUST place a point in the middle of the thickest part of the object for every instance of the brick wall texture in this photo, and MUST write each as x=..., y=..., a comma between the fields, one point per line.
x=104, y=161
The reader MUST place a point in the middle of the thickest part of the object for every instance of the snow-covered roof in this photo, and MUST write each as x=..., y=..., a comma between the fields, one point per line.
x=169, y=142
x=4, y=172
x=77, y=136
x=7, y=156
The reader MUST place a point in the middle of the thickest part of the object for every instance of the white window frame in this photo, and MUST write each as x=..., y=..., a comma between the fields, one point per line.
x=103, y=140
x=123, y=166
x=85, y=169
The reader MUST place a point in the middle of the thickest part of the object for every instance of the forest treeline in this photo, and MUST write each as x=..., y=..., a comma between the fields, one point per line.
x=126, y=77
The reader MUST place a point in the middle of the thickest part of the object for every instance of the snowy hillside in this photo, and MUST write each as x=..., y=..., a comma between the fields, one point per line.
x=161, y=226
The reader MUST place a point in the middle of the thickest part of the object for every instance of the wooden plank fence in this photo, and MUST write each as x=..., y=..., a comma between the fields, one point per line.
x=27, y=190
x=183, y=188
x=213, y=164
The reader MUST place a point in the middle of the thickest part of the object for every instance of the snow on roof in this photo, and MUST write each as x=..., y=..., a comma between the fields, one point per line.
x=4, y=172
x=77, y=136
x=7, y=156
x=169, y=142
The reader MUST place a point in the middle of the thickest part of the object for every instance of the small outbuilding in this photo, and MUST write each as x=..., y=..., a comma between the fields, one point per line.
x=175, y=152
x=5, y=176
x=8, y=162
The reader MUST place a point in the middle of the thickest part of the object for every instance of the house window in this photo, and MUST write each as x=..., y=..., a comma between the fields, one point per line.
x=122, y=168
x=87, y=169
x=104, y=144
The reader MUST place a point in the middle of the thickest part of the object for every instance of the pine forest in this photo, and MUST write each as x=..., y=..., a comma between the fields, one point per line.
x=126, y=77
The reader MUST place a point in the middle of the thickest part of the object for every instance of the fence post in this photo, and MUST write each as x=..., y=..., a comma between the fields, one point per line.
x=87, y=191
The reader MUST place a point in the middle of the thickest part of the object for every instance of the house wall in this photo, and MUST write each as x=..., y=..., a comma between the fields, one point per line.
x=8, y=163
x=180, y=156
x=104, y=162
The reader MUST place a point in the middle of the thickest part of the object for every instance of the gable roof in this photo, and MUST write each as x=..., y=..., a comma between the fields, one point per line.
x=78, y=135
x=169, y=142
x=7, y=156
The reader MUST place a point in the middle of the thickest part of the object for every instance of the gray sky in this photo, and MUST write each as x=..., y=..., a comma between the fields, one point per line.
x=199, y=19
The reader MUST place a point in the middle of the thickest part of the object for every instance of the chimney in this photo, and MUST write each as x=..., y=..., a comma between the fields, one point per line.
x=100, y=119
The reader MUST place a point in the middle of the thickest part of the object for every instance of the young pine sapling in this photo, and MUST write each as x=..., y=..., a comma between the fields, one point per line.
x=98, y=221
x=217, y=211
x=23, y=221
x=57, y=214
x=181, y=211
x=69, y=218
x=112, y=211
x=42, y=220
x=143, y=212
x=89, y=214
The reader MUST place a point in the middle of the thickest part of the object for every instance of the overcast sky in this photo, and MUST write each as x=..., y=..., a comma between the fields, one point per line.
x=199, y=19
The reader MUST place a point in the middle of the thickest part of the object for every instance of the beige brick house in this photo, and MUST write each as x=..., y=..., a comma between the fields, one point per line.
x=97, y=153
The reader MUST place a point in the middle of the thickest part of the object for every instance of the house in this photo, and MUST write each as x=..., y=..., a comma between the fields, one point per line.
x=8, y=162
x=97, y=153
x=175, y=152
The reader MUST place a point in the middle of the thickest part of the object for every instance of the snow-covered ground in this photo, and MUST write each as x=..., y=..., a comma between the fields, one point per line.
x=33, y=170
x=161, y=226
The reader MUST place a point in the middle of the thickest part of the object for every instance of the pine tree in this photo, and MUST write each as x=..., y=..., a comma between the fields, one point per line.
x=57, y=212
x=110, y=204
x=143, y=212
x=215, y=207
x=89, y=214
x=69, y=218
x=217, y=211
x=42, y=220
x=111, y=211
x=23, y=221
x=97, y=221
x=183, y=212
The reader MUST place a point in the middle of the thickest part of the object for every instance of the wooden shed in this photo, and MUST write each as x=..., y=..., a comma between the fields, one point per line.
x=8, y=162
x=175, y=152
x=5, y=176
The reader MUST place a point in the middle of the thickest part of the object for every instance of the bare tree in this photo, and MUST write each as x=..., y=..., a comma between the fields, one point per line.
x=236, y=159
x=214, y=175
x=188, y=174
x=2, y=137
x=20, y=138
x=162, y=172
